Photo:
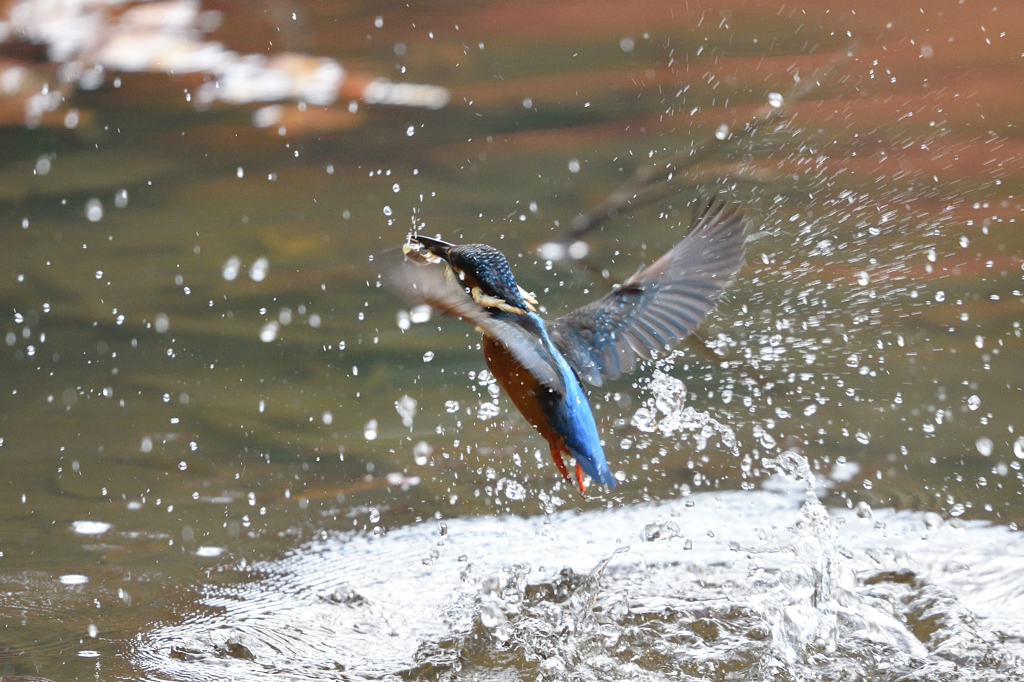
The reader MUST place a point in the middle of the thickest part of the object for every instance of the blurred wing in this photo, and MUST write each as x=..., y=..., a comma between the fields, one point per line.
x=428, y=284
x=658, y=306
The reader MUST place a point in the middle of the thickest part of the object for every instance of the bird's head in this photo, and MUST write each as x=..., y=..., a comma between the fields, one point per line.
x=482, y=269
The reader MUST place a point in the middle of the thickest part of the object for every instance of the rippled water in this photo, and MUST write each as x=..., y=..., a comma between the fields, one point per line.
x=226, y=452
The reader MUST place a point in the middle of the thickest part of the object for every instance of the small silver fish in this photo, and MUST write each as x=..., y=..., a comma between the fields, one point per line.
x=416, y=252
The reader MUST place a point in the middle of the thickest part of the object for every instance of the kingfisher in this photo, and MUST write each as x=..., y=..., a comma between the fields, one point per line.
x=542, y=364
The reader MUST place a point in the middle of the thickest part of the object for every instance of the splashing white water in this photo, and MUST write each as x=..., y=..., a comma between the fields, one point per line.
x=666, y=412
x=811, y=601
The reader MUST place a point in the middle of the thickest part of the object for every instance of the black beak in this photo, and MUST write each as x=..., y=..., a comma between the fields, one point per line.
x=435, y=247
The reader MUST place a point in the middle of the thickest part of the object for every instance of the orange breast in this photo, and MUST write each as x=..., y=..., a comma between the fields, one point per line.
x=519, y=385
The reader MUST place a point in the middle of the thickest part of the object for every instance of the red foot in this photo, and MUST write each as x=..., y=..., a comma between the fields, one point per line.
x=558, y=452
x=579, y=479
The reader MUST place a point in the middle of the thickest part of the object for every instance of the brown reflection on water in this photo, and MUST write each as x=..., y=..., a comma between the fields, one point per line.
x=902, y=171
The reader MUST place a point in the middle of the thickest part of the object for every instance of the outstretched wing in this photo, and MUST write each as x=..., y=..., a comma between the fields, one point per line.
x=658, y=306
x=428, y=284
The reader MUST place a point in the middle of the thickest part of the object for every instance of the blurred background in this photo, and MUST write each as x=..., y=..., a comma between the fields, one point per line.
x=201, y=370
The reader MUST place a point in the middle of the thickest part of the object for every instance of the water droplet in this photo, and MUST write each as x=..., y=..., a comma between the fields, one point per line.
x=451, y=406
x=775, y=99
x=487, y=411
x=420, y=314
x=940, y=296
x=863, y=278
x=984, y=445
x=230, y=269
x=387, y=210
x=327, y=417
x=551, y=251
x=370, y=430
x=258, y=270
x=863, y=437
x=374, y=515
x=956, y=510
x=767, y=440
x=578, y=250
x=791, y=465
x=722, y=132
x=627, y=44
x=863, y=510
x=421, y=452
x=810, y=409
x=574, y=165
x=121, y=198
x=974, y=402
x=161, y=324
x=406, y=408
x=183, y=465
x=94, y=210
x=645, y=420
x=515, y=490
x=268, y=332
x=660, y=530
x=428, y=356
x=410, y=131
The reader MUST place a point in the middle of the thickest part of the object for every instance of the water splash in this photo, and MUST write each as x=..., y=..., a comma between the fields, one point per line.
x=811, y=602
x=764, y=587
x=667, y=413
x=549, y=629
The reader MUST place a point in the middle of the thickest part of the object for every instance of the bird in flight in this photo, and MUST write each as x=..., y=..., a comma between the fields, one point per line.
x=541, y=364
